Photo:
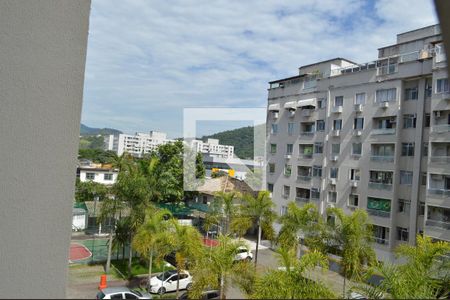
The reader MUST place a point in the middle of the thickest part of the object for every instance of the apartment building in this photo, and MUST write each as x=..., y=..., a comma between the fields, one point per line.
x=137, y=145
x=374, y=136
x=213, y=149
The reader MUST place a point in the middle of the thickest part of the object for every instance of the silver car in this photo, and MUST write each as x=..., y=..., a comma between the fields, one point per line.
x=121, y=293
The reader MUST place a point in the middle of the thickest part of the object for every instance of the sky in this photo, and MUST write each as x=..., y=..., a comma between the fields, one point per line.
x=147, y=60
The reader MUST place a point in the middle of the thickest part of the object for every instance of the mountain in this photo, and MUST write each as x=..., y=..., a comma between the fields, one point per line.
x=241, y=139
x=86, y=130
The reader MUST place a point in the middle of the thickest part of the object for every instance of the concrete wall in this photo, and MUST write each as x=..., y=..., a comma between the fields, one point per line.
x=42, y=62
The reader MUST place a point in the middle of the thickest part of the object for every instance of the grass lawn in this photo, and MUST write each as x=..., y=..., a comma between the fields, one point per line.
x=138, y=267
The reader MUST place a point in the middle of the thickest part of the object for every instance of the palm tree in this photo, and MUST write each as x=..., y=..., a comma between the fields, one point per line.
x=259, y=209
x=290, y=282
x=217, y=266
x=154, y=229
x=304, y=221
x=354, y=235
x=223, y=210
x=424, y=275
x=121, y=236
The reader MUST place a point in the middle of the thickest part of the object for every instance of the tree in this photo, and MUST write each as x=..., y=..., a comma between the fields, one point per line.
x=305, y=221
x=259, y=209
x=216, y=267
x=223, y=210
x=88, y=190
x=290, y=282
x=150, y=233
x=121, y=236
x=424, y=275
x=354, y=235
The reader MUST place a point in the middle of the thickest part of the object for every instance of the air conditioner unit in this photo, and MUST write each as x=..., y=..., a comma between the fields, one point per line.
x=393, y=120
x=336, y=132
x=333, y=181
x=437, y=114
x=334, y=157
x=384, y=104
x=288, y=156
x=358, y=107
x=291, y=112
x=357, y=132
x=275, y=114
x=354, y=183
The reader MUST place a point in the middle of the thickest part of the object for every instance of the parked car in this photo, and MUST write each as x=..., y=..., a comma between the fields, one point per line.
x=121, y=293
x=167, y=282
x=206, y=295
x=243, y=254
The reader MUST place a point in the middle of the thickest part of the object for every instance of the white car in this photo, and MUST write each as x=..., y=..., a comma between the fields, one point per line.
x=243, y=254
x=121, y=293
x=167, y=282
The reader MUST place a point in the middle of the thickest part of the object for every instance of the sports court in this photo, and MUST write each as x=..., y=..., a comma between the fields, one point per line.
x=78, y=252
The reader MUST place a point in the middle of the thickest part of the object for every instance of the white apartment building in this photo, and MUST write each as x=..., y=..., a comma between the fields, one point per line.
x=137, y=145
x=374, y=136
x=212, y=148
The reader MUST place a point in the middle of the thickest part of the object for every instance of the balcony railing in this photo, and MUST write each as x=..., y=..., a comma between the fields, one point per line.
x=440, y=159
x=381, y=241
x=380, y=185
x=306, y=155
x=304, y=178
x=439, y=192
x=382, y=158
x=380, y=131
x=307, y=133
x=440, y=128
x=436, y=223
x=378, y=213
x=302, y=199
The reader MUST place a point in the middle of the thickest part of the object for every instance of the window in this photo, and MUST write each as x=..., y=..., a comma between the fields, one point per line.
x=442, y=85
x=381, y=177
x=421, y=208
x=116, y=296
x=409, y=121
x=332, y=197
x=335, y=149
x=290, y=128
x=353, y=200
x=286, y=190
x=423, y=178
x=356, y=148
x=360, y=98
x=358, y=123
x=274, y=129
x=320, y=125
x=315, y=193
x=404, y=206
x=406, y=177
x=289, y=149
x=386, y=95
x=337, y=124
x=402, y=234
x=379, y=205
x=355, y=174
x=321, y=103
x=339, y=101
x=90, y=176
x=130, y=296
x=273, y=148
x=287, y=170
x=427, y=120
x=317, y=171
x=411, y=94
x=334, y=172
x=283, y=210
x=271, y=168
x=107, y=177
x=425, y=149
x=318, y=148
x=407, y=149
x=270, y=187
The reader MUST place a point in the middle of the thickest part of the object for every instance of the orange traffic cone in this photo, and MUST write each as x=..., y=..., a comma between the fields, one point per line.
x=102, y=284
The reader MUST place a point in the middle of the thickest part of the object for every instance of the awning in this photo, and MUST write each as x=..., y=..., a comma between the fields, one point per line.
x=275, y=106
x=307, y=102
x=290, y=104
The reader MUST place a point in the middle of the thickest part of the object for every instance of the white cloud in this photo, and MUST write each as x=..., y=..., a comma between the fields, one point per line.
x=149, y=59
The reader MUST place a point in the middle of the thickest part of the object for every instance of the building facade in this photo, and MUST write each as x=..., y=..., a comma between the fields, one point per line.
x=137, y=145
x=212, y=148
x=374, y=136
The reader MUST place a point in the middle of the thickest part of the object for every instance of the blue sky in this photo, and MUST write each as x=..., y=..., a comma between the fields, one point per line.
x=147, y=60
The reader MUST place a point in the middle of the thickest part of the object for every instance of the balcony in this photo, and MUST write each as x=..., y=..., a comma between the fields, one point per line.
x=302, y=199
x=440, y=128
x=439, y=192
x=383, y=131
x=382, y=158
x=306, y=155
x=438, y=224
x=378, y=213
x=380, y=185
x=336, y=109
x=307, y=133
x=305, y=178
x=358, y=108
x=440, y=159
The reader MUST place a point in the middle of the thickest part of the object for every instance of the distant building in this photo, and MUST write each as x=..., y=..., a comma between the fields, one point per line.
x=100, y=173
x=137, y=145
x=239, y=166
x=213, y=148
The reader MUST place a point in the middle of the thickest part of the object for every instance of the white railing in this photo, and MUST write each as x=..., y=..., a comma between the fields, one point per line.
x=380, y=185
x=383, y=131
x=382, y=158
x=378, y=213
x=304, y=178
x=307, y=133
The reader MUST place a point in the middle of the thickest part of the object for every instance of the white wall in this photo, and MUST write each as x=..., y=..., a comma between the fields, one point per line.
x=42, y=61
x=99, y=176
